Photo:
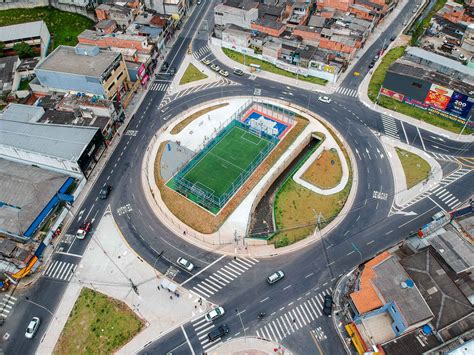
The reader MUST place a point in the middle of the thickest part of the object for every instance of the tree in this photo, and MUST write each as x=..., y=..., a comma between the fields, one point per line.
x=2, y=47
x=23, y=50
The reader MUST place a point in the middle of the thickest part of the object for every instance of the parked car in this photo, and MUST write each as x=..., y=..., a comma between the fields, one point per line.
x=205, y=61
x=324, y=99
x=219, y=332
x=375, y=58
x=276, y=276
x=214, y=314
x=165, y=66
x=371, y=65
x=215, y=67
x=186, y=264
x=173, y=71
x=32, y=327
x=393, y=38
x=327, y=307
x=238, y=72
x=224, y=72
x=83, y=230
x=104, y=192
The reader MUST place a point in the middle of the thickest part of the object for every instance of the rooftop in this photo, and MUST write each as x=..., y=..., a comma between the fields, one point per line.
x=22, y=113
x=65, y=59
x=64, y=142
x=275, y=25
x=93, y=35
x=105, y=24
x=7, y=65
x=24, y=192
x=21, y=30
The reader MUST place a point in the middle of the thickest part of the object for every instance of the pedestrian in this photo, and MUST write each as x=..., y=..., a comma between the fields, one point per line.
x=158, y=288
x=171, y=297
x=184, y=232
x=294, y=320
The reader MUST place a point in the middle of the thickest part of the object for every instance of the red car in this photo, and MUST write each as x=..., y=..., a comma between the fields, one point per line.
x=83, y=230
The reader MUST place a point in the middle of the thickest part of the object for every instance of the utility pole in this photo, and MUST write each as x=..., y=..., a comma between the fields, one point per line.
x=462, y=130
x=241, y=322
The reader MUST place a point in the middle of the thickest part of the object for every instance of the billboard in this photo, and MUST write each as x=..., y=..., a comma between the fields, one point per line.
x=460, y=105
x=392, y=94
x=438, y=96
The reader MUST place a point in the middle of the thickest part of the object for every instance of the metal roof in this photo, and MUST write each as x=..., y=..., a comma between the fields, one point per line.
x=60, y=141
x=22, y=113
x=21, y=30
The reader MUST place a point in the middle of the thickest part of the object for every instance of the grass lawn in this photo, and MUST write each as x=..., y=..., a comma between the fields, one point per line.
x=97, y=325
x=326, y=171
x=220, y=167
x=181, y=125
x=376, y=83
x=63, y=26
x=416, y=169
x=191, y=74
x=239, y=57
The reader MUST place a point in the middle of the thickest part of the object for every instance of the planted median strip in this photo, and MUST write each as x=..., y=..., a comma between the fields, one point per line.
x=416, y=169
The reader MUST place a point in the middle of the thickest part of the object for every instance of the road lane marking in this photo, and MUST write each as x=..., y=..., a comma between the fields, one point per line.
x=265, y=299
x=198, y=273
x=286, y=287
x=421, y=138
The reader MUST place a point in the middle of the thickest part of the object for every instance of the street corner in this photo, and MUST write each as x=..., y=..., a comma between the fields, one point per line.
x=250, y=346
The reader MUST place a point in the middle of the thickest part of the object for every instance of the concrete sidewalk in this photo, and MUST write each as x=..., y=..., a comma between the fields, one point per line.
x=249, y=346
x=109, y=266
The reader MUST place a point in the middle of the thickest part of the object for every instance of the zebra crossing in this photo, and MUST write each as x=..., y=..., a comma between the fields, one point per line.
x=444, y=157
x=390, y=126
x=447, y=197
x=157, y=86
x=346, y=91
x=454, y=176
x=202, y=327
x=60, y=270
x=222, y=277
x=6, y=305
x=294, y=319
x=201, y=52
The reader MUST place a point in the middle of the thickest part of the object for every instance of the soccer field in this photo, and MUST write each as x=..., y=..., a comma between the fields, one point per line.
x=221, y=166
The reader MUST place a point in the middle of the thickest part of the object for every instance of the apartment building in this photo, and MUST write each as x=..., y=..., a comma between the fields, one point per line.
x=35, y=34
x=242, y=16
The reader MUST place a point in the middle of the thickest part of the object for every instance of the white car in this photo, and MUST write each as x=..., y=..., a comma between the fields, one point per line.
x=32, y=327
x=324, y=99
x=205, y=61
x=214, y=314
x=276, y=276
x=224, y=72
x=186, y=264
x=215, y=67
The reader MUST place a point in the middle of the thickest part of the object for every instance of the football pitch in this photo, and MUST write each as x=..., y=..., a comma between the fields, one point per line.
x=222, y=165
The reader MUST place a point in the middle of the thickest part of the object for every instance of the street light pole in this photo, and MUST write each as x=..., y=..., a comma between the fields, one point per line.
x=462, y=130
x=241, y=322
x=41, y=306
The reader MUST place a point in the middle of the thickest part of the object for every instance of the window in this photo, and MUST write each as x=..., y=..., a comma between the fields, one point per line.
x=417, y=85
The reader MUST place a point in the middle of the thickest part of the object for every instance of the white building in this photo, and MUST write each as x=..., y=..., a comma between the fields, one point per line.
x=242, y=17
x=36, y=34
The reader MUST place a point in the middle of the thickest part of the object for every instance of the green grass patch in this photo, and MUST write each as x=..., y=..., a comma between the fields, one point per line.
x=426, y=116
x=192, y=74
x=63, y=26
x=239, y=57
x=97, y=325
x=326, y=171
x=416, y=169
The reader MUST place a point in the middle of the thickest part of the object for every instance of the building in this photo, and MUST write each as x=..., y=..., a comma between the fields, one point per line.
x=122, y=15
x=28, y=195
x=106, y=26
x=35, y=34
x=65, y=149
x=8, y=66
x=177, y=8
x=269, y=27
x=239, y=16
x=84, y=69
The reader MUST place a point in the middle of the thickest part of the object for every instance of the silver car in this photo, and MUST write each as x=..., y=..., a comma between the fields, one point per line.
x=276, y=276
x=32, y=327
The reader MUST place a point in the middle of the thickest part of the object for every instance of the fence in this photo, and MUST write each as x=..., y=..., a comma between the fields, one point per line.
x=205, y=197
x=277, y=112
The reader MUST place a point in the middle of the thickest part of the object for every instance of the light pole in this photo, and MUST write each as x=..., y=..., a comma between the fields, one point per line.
x=462, y=130
x=241, y=322
x=41, y=306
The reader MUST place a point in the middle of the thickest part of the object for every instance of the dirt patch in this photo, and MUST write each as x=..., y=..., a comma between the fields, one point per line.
x=200, y=219
x=181, y=125
x=326, y=171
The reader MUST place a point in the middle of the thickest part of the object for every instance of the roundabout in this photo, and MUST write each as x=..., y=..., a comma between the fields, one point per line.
x=208, y=178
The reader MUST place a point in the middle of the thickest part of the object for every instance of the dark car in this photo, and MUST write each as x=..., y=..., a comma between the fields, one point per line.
x=393, y=38
x=104, y=192
x=327, y=308
x=165, y=66
x=371, y=65
x=219, y=332
x=172, y=71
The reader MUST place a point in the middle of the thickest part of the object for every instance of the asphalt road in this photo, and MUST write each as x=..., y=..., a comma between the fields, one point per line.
x=364, y=231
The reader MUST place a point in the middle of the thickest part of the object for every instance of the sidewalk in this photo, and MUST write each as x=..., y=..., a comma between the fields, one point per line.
x=249, y=346
x=107, y=266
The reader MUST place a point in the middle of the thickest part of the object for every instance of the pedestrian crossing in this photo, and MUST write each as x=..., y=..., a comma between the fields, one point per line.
x=158, y=86
x=438, y=191
x=346, y=91
x=60, y=270
x=202, y=328
x=222, y=277
x=201, y=52
x=6, y=305
x=390, y=126
x=294, y=319
x=444, y=157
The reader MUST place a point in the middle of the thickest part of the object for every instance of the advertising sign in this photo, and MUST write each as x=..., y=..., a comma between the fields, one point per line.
x=416, y=103
x=438, y=96
x=392, y=94
x=141, y=70
x=460, y=105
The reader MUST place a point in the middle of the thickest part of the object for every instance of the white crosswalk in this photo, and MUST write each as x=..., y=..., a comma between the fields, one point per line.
x=222, y=277
x=445, y=196
x=446, y=181
x=294, y=319
x=444, y=157
x=390, y=126
x=201, y=52
x=60, y=270
x=6, y=305
x=157, y=86
x=346, y=91
x=202, y=328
